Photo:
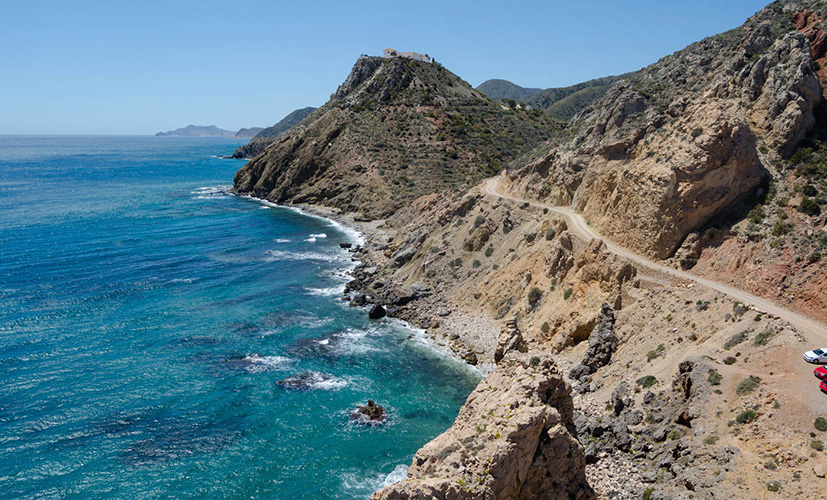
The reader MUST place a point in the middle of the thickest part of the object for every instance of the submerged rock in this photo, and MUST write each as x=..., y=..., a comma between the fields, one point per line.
x=511, y=440
x=369, y=414
x=310, y=380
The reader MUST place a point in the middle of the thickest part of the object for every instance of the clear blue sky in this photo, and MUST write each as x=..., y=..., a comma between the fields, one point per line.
x=113, y=67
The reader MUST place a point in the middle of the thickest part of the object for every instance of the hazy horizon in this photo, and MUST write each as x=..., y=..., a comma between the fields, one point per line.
x=106, y=69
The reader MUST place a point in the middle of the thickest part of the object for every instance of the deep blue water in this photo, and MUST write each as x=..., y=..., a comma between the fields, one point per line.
x=145, y=316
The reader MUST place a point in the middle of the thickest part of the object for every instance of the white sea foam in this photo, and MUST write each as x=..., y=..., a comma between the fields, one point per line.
x=398, y=474
x=359, y=484
x=275, y=255
x=355, y=341
x=281, y=240
x=330, y=384
x=325, y=292
x=311, y=240
x=259, y=364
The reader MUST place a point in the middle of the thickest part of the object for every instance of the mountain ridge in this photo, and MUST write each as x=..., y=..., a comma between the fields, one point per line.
x=393, y=122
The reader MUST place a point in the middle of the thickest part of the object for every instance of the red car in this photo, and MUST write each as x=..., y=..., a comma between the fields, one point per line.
x=820, y=372
x=823, y=386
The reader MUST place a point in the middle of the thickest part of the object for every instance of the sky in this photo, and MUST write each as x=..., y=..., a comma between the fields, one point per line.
x=139, y=67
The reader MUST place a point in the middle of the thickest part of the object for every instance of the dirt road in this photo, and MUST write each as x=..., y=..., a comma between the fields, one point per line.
x=813, y=331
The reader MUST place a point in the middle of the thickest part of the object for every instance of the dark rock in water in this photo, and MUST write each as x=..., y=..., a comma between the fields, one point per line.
x=305, y=380
x=345, y=245
x=369, y=414
x=377, y=312
x=358, y=300
x=327, y=346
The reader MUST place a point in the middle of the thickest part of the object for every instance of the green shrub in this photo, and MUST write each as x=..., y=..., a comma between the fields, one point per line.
x=647, y=381
x=809, y=206
x=773, y=486
x=480, y=220
x=476, y=264
x=763, y=337
x=814, y=257
x=735, y=340
x=568, y=293
x=809, y=190
x=697, y=131
x=746, y=417
x=820, y=424
x=654, y=353
x=714, y=377
x=489, y=251
x=534, y=296
x=757, y=214
x=711, y=440
x=817, y=445
x=730, y=360
x=545, y=327
x=506, y=229
x=550, y=234
x=780, y=228
x=647, y=493
x=747, y=385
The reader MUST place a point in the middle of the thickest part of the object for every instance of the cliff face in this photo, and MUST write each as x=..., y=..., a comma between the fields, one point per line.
x=682, y=140
x=513, y=439
x=394, y=130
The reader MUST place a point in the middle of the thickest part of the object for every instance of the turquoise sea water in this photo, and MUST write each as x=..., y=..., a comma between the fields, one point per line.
x=145, y=316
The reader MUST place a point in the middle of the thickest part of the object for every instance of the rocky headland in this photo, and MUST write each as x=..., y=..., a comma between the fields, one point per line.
x=606, y=376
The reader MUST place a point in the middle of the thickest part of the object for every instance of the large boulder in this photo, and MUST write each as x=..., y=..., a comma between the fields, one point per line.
x=511, y=440
x=511, y=339
x=602, y=344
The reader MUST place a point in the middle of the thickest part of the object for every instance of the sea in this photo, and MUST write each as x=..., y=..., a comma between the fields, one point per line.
x=146, y=316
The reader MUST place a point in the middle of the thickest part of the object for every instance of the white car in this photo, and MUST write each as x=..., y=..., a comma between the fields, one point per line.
x=816, y=356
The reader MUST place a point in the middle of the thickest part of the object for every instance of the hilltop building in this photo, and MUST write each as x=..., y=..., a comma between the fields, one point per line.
x=408, y=55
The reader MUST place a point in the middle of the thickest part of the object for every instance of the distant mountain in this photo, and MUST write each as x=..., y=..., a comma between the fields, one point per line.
x=266, y=136
x=565, y=102
x=248, y=133
x=198, y=131
x=503, y=89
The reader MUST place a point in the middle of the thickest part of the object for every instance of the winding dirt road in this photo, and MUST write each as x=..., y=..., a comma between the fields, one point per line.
x=813, y=331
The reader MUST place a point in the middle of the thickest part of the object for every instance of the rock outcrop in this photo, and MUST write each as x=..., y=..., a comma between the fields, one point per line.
x=511, y=339
x=512, y=440
x=681, y=141
x=602, y=344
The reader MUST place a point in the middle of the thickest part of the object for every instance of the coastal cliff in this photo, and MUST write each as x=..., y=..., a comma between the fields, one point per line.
x=711, y=160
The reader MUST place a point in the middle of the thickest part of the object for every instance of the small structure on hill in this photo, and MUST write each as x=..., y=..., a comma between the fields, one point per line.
x=388, y=53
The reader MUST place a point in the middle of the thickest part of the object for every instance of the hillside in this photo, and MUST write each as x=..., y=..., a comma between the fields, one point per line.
x=503, y=89
x=264, y=136
x=563, y=103
x=248, y=133
x=711, y=160
x=395, y=130
x=198, y=131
